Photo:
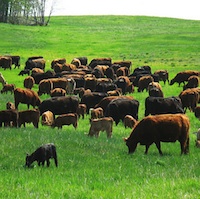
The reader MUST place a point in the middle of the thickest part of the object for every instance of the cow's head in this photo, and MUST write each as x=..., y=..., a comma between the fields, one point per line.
x=28, y=161
x=131, y=144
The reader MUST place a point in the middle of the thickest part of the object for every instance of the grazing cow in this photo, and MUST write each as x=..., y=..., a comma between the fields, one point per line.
x=129, y=121
x=96, y=113
x=42, y=154
x=193, y=82
x=66, y=119
x=119, y=108
x=10, y=105
x=29, y=82
x=81, y=110
x=8, y=87
x=9, y=116
x=100, y=61
x=189, y=99
x=29, y=116
x=57, y=92
x=182, y=77
x=163, y=75
x=160, y=105
x=2, y=79
x=144, y=82
x=101, y=124
x=59, y=61
x=160, y=128
x=6, y=62
x=122, y=71
x=155, y=89
x=15, y=60
x=60, y=105
x=35, y=63
x=40, y=76
x=91, y=99
x=24, y=72
x=26, y=96
x=197, y=112
x=123, y=63
x=47, y=118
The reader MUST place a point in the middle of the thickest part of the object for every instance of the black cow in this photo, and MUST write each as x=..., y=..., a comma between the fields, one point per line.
x=60, y=105
x=42, y=154
x=105, y=87
x=91, y=99
x=9, y=117
x=40, y=76
x=119, y=108
x=160, y=105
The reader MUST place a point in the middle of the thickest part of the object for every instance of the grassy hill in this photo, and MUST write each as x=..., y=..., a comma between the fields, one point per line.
x=100, y=168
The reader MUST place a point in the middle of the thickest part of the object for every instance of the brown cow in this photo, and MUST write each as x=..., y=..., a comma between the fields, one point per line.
x=160, y=128
x=59, y=61
x=101, y=124
x=81, y=110
x=189, y=99
x=26, y=96
x=9, y=117
x=143, y=82
x=29, y=116
x=6, y=62
x=182, y=77
x=129, y=121
x=163, y=75
x=193, y=82
x=155, y=89
x=66, y=119
x=96, y=113
x=29, y=82
x=8, y=87
x=45, y=86
x=57, y=92
x=47, y=118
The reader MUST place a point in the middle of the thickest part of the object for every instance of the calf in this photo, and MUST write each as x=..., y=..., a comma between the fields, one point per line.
x=81, y=110
x=42, y=154
x=160, y=128
x=8, y=87
x=29, y=82
x=101, y=124
x=10, y=105
x=129, y=121
x=8, y=117
x=96, y=113
x=66, y=119
x=47, y=118
x=29, y=116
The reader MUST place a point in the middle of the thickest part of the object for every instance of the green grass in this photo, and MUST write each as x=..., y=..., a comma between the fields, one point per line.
x=90, y=167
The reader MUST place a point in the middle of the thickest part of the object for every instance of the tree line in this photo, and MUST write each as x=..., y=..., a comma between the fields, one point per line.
x=27, y=12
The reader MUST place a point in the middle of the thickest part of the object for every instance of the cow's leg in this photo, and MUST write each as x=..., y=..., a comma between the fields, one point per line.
x=48, y=162
x=158, y=147
x=147, y=148
x=43, y=163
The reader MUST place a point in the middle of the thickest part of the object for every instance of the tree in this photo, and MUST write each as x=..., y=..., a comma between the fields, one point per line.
x=29, y=12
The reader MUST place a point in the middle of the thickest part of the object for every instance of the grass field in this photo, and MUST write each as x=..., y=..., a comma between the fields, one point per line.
x=90, y=167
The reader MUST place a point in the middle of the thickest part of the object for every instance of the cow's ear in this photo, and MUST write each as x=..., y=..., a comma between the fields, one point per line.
x=125, y=139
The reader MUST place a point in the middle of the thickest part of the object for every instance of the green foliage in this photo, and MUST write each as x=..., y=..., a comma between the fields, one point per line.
x=90, y=167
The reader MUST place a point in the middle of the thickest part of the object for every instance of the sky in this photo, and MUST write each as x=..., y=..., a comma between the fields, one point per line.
x=184, y=9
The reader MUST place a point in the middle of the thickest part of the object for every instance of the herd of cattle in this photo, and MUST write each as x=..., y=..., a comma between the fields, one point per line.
x=101, y=88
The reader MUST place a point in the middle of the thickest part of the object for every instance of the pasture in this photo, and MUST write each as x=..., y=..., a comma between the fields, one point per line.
x=90, y=167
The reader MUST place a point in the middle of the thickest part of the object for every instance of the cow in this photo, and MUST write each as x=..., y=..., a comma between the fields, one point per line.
x=100, y=61
x=189, y=99
x=119, y=108
x=42, y=154
x=2, y=79
x=163, y=75
x=24, y=72
x=47, y=118
x=123, y=63
x=26, y=96
x=40, y=76
x=59, y=61
x=10, y=105
x=15, y=60
x=129, y=121
x=45, y=86
x=160, y=105
x=8, y=87
x=9, y=116
x=66, y=119
x=60, y=105
x=144, y=82
x=197, y=112
x=155, y=89
x=123, y=82
x=6, y=62
x=101, y=124
x=29, y=82
x=35, y=63
x=91, y=99
x=81, y=111
x=160, y=128
x=57, y=92
x=193, y=82
x=183, y=76
x=90, y=83
x=29, y=116
x=96, y=113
